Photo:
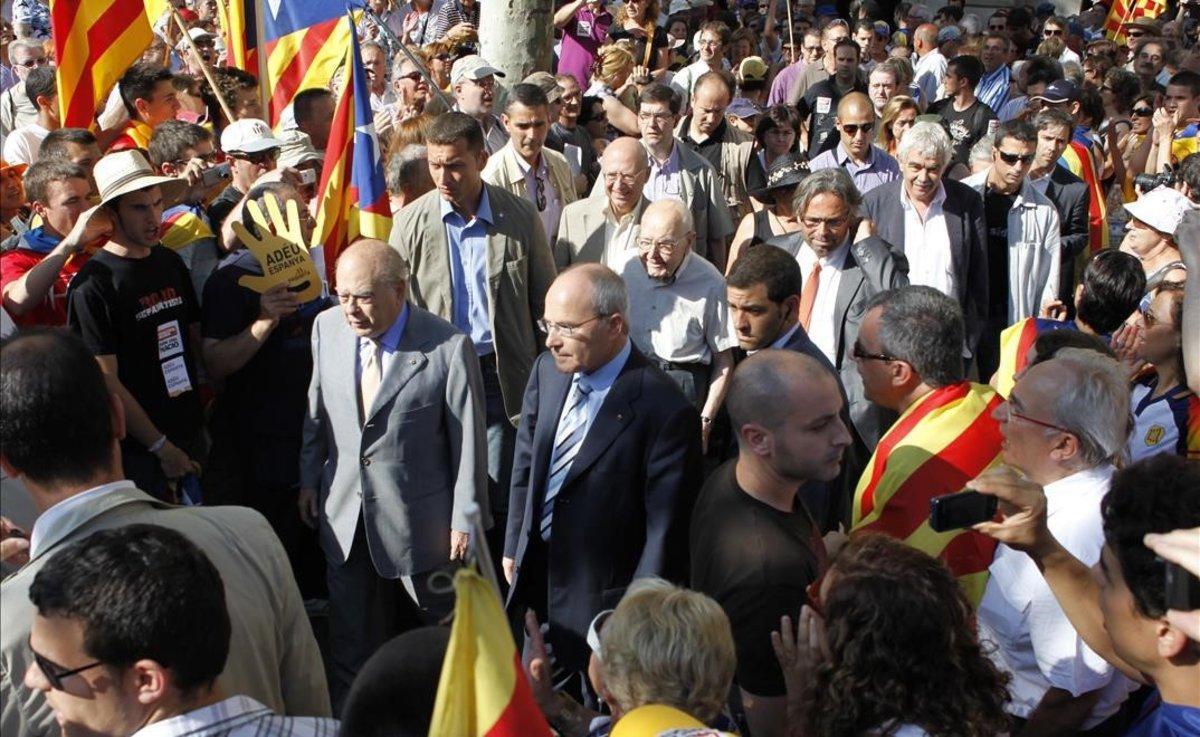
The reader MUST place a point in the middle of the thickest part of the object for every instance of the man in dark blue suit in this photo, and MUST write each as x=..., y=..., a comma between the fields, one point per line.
x=606, y=470
x=763, y=288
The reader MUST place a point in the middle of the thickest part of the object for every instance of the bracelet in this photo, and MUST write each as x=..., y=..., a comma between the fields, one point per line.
x=157, y=445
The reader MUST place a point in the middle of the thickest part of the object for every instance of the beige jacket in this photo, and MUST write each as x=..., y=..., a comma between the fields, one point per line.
x=503, y=170
x=273, y=655
x=736, y=149
x=520, y=270
x=582, y=233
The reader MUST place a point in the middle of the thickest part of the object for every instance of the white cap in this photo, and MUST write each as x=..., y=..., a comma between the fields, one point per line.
x=248, y=136
x=1161, y=208
x=472, y=67
x=196, y=34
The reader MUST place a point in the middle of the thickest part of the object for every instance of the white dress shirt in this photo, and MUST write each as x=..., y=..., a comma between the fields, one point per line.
x=927, y=245
x=1034, y=640
x=553, y=209
x=821, y=329
x=620, y=239
x=48, y=519
x=684, y=320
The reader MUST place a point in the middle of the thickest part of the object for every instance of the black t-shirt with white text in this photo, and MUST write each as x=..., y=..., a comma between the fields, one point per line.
x=140, y=310
x=965, y=127
x=818, y=108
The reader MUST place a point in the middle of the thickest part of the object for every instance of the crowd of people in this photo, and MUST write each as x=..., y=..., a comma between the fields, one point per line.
x=689, y=333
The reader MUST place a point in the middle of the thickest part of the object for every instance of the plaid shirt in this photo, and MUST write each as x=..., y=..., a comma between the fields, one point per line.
x=239, y=716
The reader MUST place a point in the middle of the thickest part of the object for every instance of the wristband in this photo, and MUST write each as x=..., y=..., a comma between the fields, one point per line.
x=157, y=445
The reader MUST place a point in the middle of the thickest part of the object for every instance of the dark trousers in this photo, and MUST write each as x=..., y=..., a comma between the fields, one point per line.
x=366, y=610
x=501, y=444
x=691, y=378
x=987, y=356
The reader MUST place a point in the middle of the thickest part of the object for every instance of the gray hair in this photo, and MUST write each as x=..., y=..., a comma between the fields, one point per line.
x=835, y=181
x=682, y=211
x=609, y=295
x=926, y=139
x=1073, y=71
x=924, y=328
x=1094, y=405
x=25, y=43
x=981, y=151
x=971, y=25
x=404, y=166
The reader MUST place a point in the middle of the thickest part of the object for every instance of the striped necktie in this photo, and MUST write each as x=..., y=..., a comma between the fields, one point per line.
x=567, y=441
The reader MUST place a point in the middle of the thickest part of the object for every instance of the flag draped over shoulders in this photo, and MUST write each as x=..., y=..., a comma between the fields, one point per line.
x=943, y=440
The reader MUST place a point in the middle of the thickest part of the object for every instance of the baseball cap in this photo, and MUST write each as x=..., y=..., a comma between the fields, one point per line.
x=297, y=148
x=1060, y=90
x=743, y=108
x=752, y=69
x=882, y=29
x=248, y=136
x=949, y=33
x=1044, y=9
x=472, y=67
x=1161, y=208
x=547, y=83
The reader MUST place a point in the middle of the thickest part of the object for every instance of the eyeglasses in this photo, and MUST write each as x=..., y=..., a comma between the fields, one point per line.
x=1010, y=158
x=566, y=331
x=1134, y=34
x=852, y=129
x=656, y=117
x=1143, y=112
x=1010, y=412
x=996, y=28
x=411, y=76
x=832, y=223
x=55, y=673
x=664, y=246
x=212, y=157
x=860, y=353
x=31, y=63
x=260, y=157
x=627, y=179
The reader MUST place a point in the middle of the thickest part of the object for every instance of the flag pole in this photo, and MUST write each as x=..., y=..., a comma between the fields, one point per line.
x=787, y=4
x=203, y=66
x=479, y=547
x=394, y=40
x=260, y=52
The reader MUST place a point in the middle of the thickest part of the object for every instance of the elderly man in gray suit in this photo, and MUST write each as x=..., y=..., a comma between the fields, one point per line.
x=604, y=227
x=842, y=272
x=60, y=433
x=394, y=454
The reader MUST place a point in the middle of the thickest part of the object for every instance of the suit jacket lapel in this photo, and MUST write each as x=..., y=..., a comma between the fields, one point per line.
x=595, y=226
x=437, y=289
x=343, y=351
x=613, y=416
x=550, y=407
x=956, y=229
x=848, y=286
x=408, y=360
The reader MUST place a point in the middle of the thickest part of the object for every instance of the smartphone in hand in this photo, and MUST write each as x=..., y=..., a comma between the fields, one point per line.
x=960, y=510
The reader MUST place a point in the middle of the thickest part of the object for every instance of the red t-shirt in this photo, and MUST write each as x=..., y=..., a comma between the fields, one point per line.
x=52, y=310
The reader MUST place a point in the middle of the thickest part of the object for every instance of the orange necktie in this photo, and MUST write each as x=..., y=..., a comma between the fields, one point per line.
x=808, y=294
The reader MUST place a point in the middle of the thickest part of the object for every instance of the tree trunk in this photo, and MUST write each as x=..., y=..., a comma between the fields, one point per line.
x=517, y=36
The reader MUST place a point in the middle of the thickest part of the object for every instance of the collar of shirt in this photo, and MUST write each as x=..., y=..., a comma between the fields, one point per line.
x=835, y=259
x=716, y=136
x=661, y=283
x=483, y=211
x=526, y=167
x=939, y=199
x=48, y=519
x=1066, y=492
x=843, y=158
x=602, y=378
x=782, y=340
x=389, y=340
x=220, y=716
x=670, y=166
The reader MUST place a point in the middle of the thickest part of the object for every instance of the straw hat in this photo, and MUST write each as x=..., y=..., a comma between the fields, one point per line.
x=128, y=171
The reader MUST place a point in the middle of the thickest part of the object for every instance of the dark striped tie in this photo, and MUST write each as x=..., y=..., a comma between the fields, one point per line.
x=567, y=441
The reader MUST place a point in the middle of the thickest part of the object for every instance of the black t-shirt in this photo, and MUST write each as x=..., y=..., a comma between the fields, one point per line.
x=818, y=108
x=224, y=203
x=710, y=148
x=756, y=562
x=266, y=399
x=140, y=310
x=965, y=127
x=996, y=207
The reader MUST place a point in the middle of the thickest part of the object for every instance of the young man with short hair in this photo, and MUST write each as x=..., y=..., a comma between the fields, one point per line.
x=966, y=117
x=150, y=99
x=21, y=146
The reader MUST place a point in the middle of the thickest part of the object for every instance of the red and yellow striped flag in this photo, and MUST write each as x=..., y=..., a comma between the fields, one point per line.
x=1015, y=342
x=1084, y=162
x=482, y=691
x=941, y=442
x=95, y=41
x=1124, y=11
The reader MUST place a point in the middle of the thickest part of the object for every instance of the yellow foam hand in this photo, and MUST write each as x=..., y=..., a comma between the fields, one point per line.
x=280, y=251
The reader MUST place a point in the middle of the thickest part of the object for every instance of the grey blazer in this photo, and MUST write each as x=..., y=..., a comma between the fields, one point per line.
x=273, y=655
x=872, y=266
x=581, y=231
x=410, y=470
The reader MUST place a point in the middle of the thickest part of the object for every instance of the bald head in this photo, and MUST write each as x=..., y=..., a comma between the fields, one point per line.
x=926, y=34
x=668, y=215
x=626, y=168
x=773, y=384
x=371, y=286
x=667, y=235
x=384, y=262
x=856, y=125
x=585, y=317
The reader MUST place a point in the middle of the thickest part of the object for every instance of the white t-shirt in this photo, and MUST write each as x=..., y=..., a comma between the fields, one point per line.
x=21, y=146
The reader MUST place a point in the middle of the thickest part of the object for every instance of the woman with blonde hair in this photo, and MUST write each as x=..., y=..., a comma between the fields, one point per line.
x=612, y=82
x=637, y=21
x=897, y=117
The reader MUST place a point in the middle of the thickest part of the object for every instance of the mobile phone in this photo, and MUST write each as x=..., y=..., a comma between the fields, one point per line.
x=963, y=509
x=308, y=176
x=1182, y=588
x=215, y=174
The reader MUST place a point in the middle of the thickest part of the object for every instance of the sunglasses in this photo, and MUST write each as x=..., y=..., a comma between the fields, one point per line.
x=861, y=354
x=55, y=673
x=411, y=76
x=852, y=129
x=1015, y=158
x=1143, y=112
x=1051, y=32
x=262, y=157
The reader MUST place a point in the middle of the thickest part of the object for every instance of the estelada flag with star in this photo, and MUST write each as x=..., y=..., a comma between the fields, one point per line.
x=353, y=194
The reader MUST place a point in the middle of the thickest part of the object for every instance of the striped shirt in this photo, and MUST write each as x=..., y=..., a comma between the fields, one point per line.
x=450, y=15
x=239, y=716
x=993, y=88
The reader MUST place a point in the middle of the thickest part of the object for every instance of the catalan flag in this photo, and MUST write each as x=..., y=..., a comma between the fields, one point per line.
x=941, y=442
x=304, y=43
x=482, y=690
x=354, y=199
x=1015, y=342
x=239, y=30
x=183, y=225
x=1124, y=11
x=95, y=41
x=1081, y=160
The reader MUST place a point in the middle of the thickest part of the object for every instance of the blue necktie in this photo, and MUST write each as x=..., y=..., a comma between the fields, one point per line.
x=567, y=441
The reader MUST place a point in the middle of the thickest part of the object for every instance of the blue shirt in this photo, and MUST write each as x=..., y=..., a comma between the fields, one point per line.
x=386, y=344
x=468, y=271
x=880, y=168
x=1160, y=719
x=993, y=88
x=599, y=382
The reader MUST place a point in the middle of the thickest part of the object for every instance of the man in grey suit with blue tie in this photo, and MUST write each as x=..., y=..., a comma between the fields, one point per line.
x=394, y=452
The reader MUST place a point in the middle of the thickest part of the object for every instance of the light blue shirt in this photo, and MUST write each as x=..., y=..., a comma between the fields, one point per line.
x=880, y=168
x=666, y=181
x=993, y=88
x=467, y=242
x=599, y=382
x=386, y=344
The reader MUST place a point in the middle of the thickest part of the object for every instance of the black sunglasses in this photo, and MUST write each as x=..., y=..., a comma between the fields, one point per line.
x=1014, y=158
x=852, y=129
x=55, y=673
x=1143, y=112
x=861, y=354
